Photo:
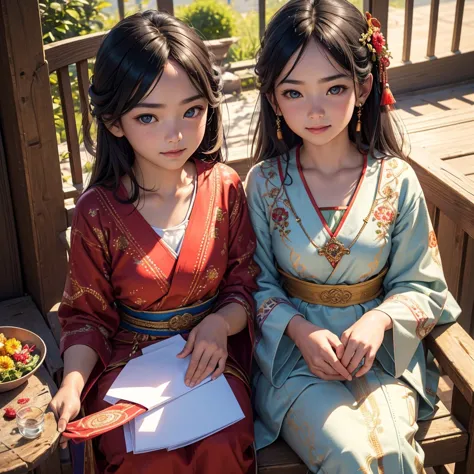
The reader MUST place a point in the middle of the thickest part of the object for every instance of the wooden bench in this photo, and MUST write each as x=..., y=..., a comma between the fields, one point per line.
x=443, y=437
x=447, y=437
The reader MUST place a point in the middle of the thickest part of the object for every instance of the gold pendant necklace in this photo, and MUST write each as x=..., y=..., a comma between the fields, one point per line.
x=334, y=249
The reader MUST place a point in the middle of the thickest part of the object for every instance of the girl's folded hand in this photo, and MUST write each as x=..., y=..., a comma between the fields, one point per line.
x=208, y=344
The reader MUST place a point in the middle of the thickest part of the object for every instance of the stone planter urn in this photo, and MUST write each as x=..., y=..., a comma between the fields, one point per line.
x=220, y=47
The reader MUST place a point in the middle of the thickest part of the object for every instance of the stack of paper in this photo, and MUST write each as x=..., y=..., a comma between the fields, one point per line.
x=177, y=415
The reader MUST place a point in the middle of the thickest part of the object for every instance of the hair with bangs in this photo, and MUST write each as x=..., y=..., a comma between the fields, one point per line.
x=129, y=62
x=336, y=25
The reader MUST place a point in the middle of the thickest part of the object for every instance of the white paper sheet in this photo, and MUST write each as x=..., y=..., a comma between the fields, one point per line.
x=128, y=437
x=154, y=378
x=204, y=411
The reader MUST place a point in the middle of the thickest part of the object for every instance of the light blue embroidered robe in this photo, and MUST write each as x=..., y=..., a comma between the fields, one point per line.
x=398, y=234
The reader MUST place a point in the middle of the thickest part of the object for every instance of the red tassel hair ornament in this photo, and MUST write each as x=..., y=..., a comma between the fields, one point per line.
x=375, y=42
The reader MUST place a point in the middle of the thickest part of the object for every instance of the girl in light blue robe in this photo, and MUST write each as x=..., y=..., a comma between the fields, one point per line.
x=341, y=372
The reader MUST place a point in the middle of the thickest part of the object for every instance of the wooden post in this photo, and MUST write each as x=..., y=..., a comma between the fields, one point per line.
x=121, y=8
x=380, y=11
x=408, y=30
x=464, y=412
x=10, y=276
x=261, y=17
x=26, y=118
x=457, y=26
x=434, y=12
x=165, y=6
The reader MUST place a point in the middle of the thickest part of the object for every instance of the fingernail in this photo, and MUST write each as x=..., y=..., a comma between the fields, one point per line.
x=186, y=381
x=193, y=384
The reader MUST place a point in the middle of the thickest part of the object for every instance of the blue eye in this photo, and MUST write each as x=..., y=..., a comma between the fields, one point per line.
x=146, y=119
x=292, y=94
x=193, y=112
x=336, y=90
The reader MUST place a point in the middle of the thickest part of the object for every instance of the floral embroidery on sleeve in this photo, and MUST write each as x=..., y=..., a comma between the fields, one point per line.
x=264, y=311
x=433, y=246
x=422, y=319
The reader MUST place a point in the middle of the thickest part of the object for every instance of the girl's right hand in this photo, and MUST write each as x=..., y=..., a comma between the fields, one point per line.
x=65, y=405
x=320, y=348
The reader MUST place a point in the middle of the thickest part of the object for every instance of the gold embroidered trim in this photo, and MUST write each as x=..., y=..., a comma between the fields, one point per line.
x=179, y=322
x=147, y=262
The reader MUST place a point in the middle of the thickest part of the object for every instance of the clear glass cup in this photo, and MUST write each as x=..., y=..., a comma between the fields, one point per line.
x=30, y=421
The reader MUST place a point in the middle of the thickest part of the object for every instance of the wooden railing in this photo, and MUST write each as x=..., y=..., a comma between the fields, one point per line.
x=451, y=198
x=410, y=76
x=380, y=9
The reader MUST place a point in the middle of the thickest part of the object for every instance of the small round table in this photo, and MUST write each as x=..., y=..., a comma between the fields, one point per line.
x=17, y=454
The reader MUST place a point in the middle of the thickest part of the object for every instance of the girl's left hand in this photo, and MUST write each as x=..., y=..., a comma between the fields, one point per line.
x=208, y=344
x=363, y=339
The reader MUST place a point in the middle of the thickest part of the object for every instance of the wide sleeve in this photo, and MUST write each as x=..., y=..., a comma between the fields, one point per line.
x=276, y=354
x=87, y=313
x=238, y=282
x=416, y=294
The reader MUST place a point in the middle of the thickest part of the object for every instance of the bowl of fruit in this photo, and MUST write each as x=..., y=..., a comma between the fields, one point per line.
x=21, y=353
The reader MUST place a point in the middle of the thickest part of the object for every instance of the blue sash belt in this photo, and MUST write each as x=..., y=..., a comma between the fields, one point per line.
x=164, y=323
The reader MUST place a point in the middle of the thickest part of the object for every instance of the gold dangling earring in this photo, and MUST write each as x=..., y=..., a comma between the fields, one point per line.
x=278, y=125
x=359, y=121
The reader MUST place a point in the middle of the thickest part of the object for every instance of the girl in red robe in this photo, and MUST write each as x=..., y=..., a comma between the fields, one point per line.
x=161, y=242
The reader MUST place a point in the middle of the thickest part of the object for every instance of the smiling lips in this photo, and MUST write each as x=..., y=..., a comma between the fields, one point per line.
x=318, y=130
x=173, y=153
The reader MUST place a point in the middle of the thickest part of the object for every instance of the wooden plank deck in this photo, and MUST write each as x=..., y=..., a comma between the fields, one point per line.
x=439, y=122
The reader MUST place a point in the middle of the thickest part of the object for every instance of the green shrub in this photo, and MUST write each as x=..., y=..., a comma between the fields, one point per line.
x=248, y=32
x=62, y=19
x=211, y=19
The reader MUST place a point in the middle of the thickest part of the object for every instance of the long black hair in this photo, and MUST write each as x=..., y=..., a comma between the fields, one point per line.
x=129, y=61
x=337, y=26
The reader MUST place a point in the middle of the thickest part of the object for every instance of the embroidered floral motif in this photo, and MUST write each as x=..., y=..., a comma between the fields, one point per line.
x=274, y=197
x=385, y=207
x=388, y=191
x=280, y=218
x=137, y=261
x=386, y=211
x=433, y=245
x=371, y=413
x=103, y=331
x=224, y=248
x=212, y=274
x=78, y=291
x=215, y=233
x=384, y=214
x=103, y=241
x=264, y=311
x=86, y=328
x=93, y=212
x=220, y=214
x=253, y=269
x=423, y=327
x=432, y=241
x=121, y=243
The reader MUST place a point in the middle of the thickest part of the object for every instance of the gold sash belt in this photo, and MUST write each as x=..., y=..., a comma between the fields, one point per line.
x=334, y=295
x=181, y=322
